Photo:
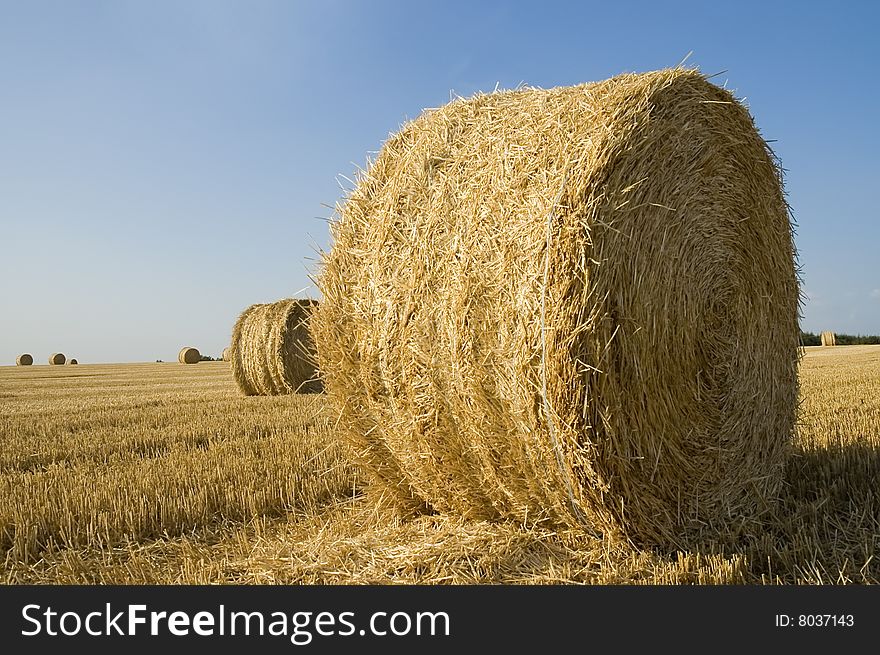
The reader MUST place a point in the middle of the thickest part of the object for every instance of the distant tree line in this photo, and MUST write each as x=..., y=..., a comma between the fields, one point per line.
x=810, y=339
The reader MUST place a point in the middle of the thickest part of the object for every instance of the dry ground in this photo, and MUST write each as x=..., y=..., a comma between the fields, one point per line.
x=162, y=473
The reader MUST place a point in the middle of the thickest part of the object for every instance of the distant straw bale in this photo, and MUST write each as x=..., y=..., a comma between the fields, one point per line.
x=56, y=359
x=225, y=355
x=24, y=359
x=72, y=362
x=272, y=351
x=576, y=305
x=189, y=355
x=828, y=339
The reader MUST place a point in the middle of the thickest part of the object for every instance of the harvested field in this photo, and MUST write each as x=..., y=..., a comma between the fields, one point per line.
x=160, y=474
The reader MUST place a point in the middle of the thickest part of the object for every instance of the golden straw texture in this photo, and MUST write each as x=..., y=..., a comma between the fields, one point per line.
x=189, y=355
x=56, y=359
x=25, y=359
x=577, y=305
x=272, y=350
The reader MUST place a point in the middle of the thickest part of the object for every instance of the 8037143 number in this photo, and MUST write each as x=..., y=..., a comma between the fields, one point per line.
x=825, y=620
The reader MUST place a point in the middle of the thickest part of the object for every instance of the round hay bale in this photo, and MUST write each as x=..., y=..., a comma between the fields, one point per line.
x=56, y=359
x=225, y=355
x=828, y=339
x=577, y=305
x=25, y=359
x=272, y=351
x=189, y=355
x=72, y=362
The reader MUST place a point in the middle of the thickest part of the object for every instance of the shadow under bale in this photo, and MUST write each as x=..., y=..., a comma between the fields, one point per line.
x=823, y=529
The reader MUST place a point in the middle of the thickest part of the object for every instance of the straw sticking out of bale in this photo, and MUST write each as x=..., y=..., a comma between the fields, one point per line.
x=577, y=305
x=272, y=351
x=828, y=339
x=56, y=359
x=189, y=355
x=25, y=359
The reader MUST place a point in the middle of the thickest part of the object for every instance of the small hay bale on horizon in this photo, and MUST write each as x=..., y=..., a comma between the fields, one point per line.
x=828, y=338
x=272, y=350
x=25, y=359
x=72, y=362
x=226, y=354
x=188, y=355
x=57, y=359
x=576, y=305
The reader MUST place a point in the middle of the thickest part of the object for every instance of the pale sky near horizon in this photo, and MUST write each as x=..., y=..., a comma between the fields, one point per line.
x=163, y=165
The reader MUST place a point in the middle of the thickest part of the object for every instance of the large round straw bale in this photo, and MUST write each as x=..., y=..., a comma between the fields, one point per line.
x=25, y=359
x=56, y=359
x=225, y=355
x=272, y=350
x=828, y=339
x=577, y=304
x=72, y=362
x=189, y=355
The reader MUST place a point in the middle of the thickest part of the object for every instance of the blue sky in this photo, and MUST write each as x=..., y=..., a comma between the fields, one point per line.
x=165, y=164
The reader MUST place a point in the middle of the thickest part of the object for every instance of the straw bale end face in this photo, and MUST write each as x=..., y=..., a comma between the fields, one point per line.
x=577, y=305
x=25, y=359
x=57, y=359
x=72, y=362
x=189, y=355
